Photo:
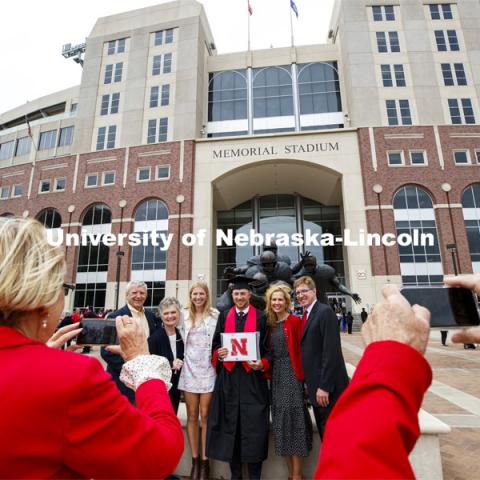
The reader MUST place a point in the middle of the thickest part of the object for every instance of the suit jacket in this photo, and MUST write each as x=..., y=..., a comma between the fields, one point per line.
x=159, y=344
x=382, y=402
x=62, y=417
x=322, y=357
x=115, y=362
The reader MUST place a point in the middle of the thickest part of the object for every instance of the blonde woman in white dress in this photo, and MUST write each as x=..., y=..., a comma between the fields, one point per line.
x=197, y=378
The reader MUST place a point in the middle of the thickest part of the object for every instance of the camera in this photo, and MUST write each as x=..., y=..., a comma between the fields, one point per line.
x=450, y=307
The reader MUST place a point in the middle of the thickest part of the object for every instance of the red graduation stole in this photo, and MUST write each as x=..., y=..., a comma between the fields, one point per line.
x=250, y=326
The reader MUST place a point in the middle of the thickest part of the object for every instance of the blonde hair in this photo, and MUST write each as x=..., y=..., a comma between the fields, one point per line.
x=31, y=270
x=207, y=310
x=305, y=280
x=286, y=290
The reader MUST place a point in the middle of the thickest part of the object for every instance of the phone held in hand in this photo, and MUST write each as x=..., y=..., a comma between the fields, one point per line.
x=98, y=332
x=450, y=307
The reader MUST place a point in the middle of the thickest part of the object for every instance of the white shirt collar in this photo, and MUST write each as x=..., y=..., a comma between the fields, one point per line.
x=309, y=309
x=245, y=310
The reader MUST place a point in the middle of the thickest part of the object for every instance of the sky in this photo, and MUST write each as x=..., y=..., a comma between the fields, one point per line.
x=33, y=32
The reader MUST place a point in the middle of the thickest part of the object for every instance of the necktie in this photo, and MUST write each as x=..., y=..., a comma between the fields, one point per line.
x=304, y=319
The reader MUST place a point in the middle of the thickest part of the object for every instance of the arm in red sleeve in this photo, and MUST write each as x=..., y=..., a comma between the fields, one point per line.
x=375, y=422
x=106, y=437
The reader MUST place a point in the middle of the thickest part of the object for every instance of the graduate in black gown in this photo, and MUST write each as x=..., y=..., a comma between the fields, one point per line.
x=238, y=420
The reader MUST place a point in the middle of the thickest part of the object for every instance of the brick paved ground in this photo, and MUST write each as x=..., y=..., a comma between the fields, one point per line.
x=460, y=369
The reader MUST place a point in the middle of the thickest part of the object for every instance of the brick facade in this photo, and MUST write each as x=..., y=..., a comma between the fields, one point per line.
x=124, y=161
x=430, y=177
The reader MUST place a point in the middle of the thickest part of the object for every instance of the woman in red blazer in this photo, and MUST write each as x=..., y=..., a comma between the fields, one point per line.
x=62, y=416
x=292, y=427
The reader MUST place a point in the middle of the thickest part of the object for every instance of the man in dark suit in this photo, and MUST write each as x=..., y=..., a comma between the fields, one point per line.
x=136, y=297
x=238, y=420
x=325, y=373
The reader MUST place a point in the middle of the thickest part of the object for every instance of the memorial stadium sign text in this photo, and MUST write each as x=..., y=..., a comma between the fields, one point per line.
x=274, y=150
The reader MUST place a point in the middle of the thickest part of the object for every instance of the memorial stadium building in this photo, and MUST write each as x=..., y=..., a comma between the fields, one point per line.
x=374, y=132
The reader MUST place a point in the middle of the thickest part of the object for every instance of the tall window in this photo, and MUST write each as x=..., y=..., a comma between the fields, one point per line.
x=165, y=99
x=154, y=97
x=6, y=150
x=50, y=218
x=446, y=42
x=163, y=36
x=413, y=210
x=393, y=75
x=157, y=130
x=66, y=136
x=106, y=138
x=113, y=72
x=383, y=13
x=156, y=65
x=149, y=262
x=47, y=140
x=388, y=43
x=398, y=112
x=24, y=146
x=106, y=105
x=441, y=11
x=167, y=63
x=116, y=46
x=272, y=92
x=471, y=216
x=455, y=75
x=461, y=110
x=227, y=96
x=319, y=88
x=91, y=281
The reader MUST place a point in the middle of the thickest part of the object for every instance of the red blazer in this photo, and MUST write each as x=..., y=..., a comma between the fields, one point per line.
x=63, y=417
x=292, y=328
x=374, y=424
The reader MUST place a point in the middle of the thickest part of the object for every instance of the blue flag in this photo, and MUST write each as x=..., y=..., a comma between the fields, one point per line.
x=294, y=7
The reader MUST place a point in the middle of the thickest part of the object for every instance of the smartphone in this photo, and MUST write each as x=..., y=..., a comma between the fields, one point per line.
x=450, y=307
x=98, y=332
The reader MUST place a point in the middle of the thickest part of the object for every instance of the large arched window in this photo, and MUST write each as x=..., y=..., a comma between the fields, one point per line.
x=471, y=215
x=227, y=96
x=413, y=210
x=50, y=218
x=319, y=88
x=273, y=100
x=149, y=262
x=92, y=266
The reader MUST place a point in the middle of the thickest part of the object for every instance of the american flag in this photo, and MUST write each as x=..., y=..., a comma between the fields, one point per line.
x=250, y=11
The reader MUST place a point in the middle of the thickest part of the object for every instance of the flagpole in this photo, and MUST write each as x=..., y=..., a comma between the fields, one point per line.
x=291, y=26
x=249, y=15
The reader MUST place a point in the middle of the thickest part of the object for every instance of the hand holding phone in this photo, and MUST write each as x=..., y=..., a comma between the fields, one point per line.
x=395, y=319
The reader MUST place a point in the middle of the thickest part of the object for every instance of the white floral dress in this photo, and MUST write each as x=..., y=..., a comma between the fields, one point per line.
x=198, y=374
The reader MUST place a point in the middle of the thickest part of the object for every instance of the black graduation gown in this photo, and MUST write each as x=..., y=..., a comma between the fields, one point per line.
x=159, y=344
x=240, y=400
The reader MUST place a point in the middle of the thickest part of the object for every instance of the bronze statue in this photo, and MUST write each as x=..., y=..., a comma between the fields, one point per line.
x=325, y=279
